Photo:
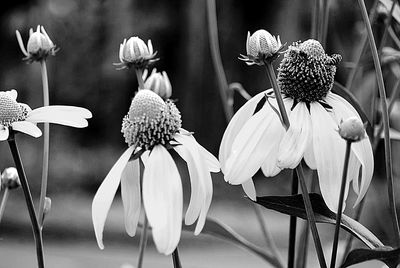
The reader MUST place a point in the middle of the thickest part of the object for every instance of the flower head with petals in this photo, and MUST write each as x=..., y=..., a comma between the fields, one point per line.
x=20, y=117
x=158, y=82
x=153, y=126
x=255, y=138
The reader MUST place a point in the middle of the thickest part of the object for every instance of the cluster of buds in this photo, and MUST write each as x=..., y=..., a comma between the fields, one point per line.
x=10, y=179
x=39, y=45
x=158, y=82
x=136, y=53
x=352, y=129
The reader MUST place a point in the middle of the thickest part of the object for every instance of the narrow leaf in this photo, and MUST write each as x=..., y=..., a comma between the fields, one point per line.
x=391, y=257
x=294, y=206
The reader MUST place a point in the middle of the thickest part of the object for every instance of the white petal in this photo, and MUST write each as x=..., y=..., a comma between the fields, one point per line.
x=27, y=128
x=105, y=195
x=162, y=199
x=329, y=151
x=354, y=170
x=131, y=197
x=234, y=126
x=3, y=133
x=296, y=139
x=249, y=189
x=342, y=109
x=63, y=115
x=211, y=161
x=309, y=157
x=21, y=43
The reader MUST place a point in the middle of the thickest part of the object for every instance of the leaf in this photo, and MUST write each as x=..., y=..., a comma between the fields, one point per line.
x=294, y=206
x=218, y=229
x=391, y=257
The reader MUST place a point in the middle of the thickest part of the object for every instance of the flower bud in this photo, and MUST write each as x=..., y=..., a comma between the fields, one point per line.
x=159, y=83
x=260, y=47
x=352, y=129
x=10, y=178
x=47, y=206
x=135, y=52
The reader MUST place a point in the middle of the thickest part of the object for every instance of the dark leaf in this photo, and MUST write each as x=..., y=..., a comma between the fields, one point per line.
x=391, y=257
x=294, y=206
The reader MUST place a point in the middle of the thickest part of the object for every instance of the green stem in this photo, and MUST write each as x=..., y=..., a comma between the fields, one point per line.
x=28, y=199
x=46, y=145
x=299, y=169
x=175, y=259
x=139, y=76
x=216, y=58
x=385, y=117
x=143, y=242
x=4, y=202
x=293, y=225
x=340, y=205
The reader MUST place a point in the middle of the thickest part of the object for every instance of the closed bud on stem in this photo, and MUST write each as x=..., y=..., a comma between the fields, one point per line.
x=352, y=129
x=10, y=178
x=158, y=83
x=47, y=206
x=136, y=53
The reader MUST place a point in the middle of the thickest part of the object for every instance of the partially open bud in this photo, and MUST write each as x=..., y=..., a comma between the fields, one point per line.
x=39, y=45
x=159, y=83
x=352, y=129
x=10, y=178
x=136, y=53
x=261, y=46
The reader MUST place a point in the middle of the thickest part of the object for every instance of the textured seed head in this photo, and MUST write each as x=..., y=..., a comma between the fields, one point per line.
x=150, y=121
x=10, y=110
x=352, y=129
x=306, y=73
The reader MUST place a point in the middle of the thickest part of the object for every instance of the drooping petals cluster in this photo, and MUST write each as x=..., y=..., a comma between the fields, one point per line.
x=39, y=45
x=151, y=128
x=135, y=53
x=159, y=83
x=255, y=137
x=20, y=117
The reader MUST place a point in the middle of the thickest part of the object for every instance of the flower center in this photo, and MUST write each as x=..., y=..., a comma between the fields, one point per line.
x=306, y=73
x=150, y=121
x=10, y=110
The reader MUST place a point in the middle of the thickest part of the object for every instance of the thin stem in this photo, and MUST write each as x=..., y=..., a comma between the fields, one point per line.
x=4, y=202
x=46, y=145
x=385, y=31
x=216, y=58
x=139, y=76
x=316, y=19
x=393, y=36
x=293, y=225
x=299, y=169
x=28, y=199
x=340, y=205
x=385, y=117
x=325, y=21
x=143, y=242
x=175, y=259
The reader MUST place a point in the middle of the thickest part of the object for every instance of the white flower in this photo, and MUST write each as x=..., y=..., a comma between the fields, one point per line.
x=158, y=82
x=135, y=52
x=39, y=45
x=152, y=127
x=20, y=117
x=257, y=139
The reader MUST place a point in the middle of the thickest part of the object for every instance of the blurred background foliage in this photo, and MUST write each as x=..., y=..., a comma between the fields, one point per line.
x=89, y=33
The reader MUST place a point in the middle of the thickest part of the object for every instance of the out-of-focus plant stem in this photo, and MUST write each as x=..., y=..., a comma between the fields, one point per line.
x=385, y=120
x=293, y=225
x=175, y=259
x=46, y=145
x=325, y=22
x=340, y=205
x=139, y=76
x=394, y=36
x=143, y=242
x=386, y=30
x=299, y=168
x=315, y=19
x=28, y=199
x=4, y=202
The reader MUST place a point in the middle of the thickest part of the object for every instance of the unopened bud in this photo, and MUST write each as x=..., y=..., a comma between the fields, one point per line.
x=47, y=206
x=352, y=129
x=10, y=178
x=135, y=52
x=159, y=83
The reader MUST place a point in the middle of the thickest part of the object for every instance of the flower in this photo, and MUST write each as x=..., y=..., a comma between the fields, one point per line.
x=256, y=138
x=151, y=128
x=159, y=83
x=20, y=117
x=39, y=45
x=134, y=52
x=260, y=47
x=10, y=178
x=352, y=129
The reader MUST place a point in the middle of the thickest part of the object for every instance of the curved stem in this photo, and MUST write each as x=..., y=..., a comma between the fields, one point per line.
x=299, y=169
x=143, y=242
x=28, y=199
x=340, y=205
x=175, y=259
x=46, y=145
x=139, y=76
x=385, y=117
x=4, y=202
x=292, y=225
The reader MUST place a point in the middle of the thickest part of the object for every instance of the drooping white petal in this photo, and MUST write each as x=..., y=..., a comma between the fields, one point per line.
x=21, y=43
x=235, y=125
x=341, y=108
x=162, y=199
x=354, y=171
x=63, y=115
x=211, y=161
x=309, y=156
x=296, y=139
x=329, y=151
x=131, y=197
x=250, y=189
x=105, y=195
x=3, y=133
x=27, y=128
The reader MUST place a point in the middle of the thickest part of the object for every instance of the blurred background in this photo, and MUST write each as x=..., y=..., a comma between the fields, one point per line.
x=88, y=34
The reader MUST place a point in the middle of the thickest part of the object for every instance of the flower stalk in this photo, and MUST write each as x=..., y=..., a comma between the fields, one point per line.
x=143, y=242
x=175, y=259
x=139, y=76
x=28, y=199
x=340, y=205
x=4, y=202
x=293, y=225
